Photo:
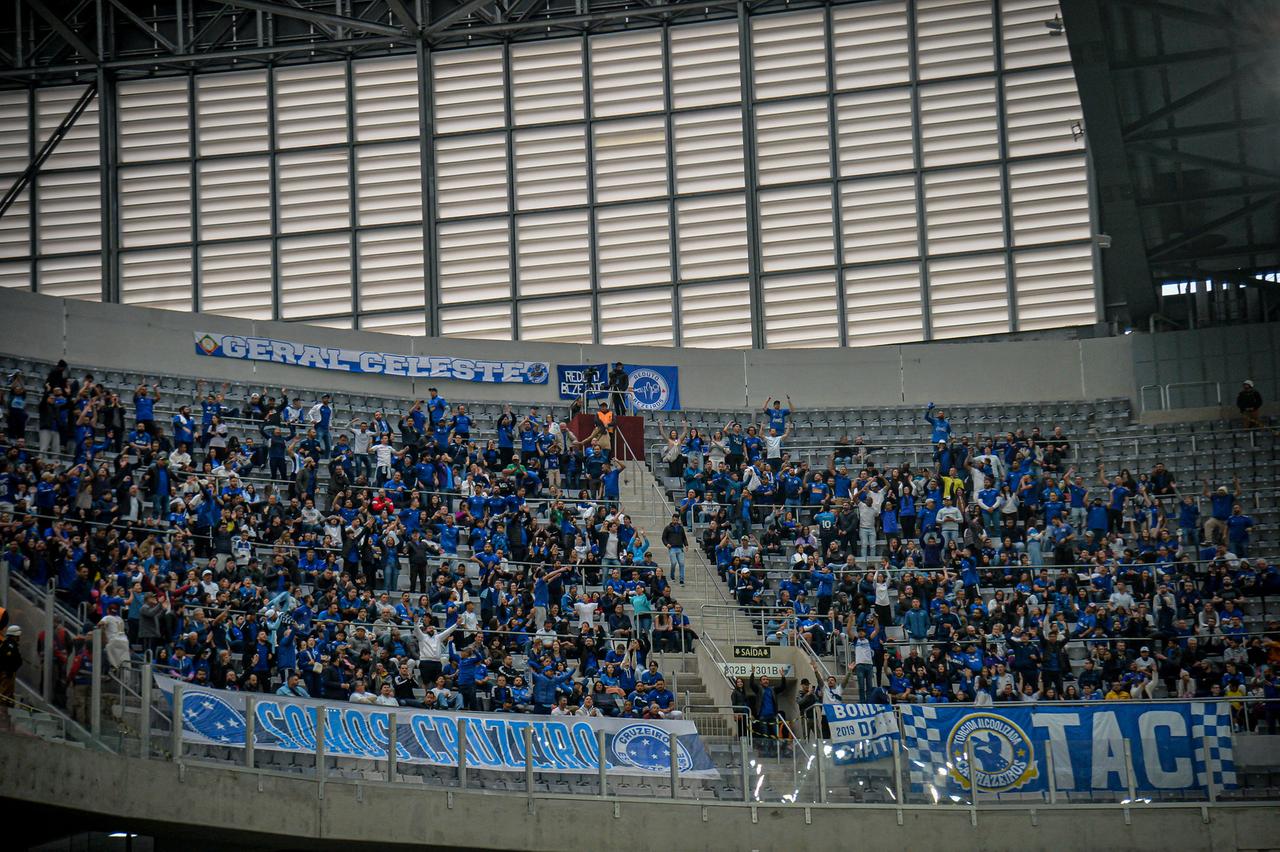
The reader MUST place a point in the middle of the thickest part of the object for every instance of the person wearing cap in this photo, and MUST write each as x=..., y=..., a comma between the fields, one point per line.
x=10, y=662
x=1249, y=401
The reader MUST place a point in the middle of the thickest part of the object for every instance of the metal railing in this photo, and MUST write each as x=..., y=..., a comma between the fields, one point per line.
x=1165, y=393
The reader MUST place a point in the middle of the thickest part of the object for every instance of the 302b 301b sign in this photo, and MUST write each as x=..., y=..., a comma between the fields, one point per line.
x=752, y=652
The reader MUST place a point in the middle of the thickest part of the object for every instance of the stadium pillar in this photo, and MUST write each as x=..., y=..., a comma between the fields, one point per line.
x=175, y=724
x=144, y=713
x=47, y=662
x=95, y=684
x=393, y=736
x=529, y=760
x=973, y=782
x=320, y=773
x=674, y=743
x=462, y=754
x=602, y=762
x=250, y=731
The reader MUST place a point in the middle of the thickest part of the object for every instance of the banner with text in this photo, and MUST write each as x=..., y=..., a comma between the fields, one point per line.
x=494, y=741
x=1172, y=746
x=652, y=388
x=861, y=731
x=293, y=354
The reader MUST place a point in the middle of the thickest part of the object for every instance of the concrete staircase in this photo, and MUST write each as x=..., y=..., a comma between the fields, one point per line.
x=650, y=511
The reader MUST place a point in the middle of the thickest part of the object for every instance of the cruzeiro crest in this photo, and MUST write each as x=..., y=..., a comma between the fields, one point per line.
x=650, y=389
x=648, y=747
x=1002, y=753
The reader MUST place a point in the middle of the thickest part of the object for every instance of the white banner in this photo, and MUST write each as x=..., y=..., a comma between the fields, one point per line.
x=287, y=352
x=493, y=740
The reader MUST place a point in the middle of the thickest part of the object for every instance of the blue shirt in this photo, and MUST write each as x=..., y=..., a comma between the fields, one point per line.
x=778, y=419
x=144, y=407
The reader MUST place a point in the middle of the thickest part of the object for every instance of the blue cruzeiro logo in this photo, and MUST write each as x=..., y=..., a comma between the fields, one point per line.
x=213, y=718
x=537, y=372
x=650, y=389
x=648, y=747
x=1001, y=750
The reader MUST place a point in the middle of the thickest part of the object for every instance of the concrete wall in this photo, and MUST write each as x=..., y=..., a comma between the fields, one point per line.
x=289, y=812
x=1008, y=371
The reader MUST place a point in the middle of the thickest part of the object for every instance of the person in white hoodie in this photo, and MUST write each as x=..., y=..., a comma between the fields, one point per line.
x=432, y=645
x=869, y=502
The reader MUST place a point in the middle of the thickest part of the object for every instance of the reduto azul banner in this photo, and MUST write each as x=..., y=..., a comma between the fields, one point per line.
x=653, y=388
x=1171, y=746
x=494, y=741
x=268, y=349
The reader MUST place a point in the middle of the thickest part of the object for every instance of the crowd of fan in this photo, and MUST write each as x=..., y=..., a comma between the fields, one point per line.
x=292, y=583
x=966, y=579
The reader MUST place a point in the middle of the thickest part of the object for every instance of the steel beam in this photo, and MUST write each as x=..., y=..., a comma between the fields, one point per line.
x=68, y=35
x=143, y=25
x=401, y=13
x=46, y=150
x=1212, y=225
x=319, y=18
x=1187, y=158
x=1190, y=98
x=658, y=13
x=457, y=13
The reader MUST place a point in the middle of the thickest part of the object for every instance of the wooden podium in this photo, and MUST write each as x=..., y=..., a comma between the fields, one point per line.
x=630, y=428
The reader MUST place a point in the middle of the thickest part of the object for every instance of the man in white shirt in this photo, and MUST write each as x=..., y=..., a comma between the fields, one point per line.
x=432, y=648
x=387, y=697
x=1121, y=598
x=360, y=695
x=585, y=610
x=863, y=665
x=949, y=520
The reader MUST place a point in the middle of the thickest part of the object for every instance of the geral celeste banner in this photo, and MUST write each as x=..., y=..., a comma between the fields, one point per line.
x=653, y=388
x=1171, y=746
x=494, y=741
x=211, y=345
x=861, y=731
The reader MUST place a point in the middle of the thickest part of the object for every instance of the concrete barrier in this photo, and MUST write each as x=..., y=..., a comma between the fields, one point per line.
x=213, y=807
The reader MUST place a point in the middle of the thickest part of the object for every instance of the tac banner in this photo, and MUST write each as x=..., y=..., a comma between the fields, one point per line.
x=268, y=349
x=495, y=741
x=861, y=731
x=1172, y=746
x=654, y=388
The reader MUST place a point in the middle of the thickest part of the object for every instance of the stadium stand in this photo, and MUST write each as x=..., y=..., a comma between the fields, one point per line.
x=212, y=548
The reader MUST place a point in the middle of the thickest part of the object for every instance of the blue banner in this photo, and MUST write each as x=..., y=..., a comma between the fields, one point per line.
x=653, y=388
x=212, y=345
x=494, y=741
x=861, y=731
x=1172, y=746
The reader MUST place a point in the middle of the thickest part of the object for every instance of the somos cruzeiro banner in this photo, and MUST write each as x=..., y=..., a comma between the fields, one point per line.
x=293, y=354
x=495, y=741
x=653, y=388
x=1171, y=746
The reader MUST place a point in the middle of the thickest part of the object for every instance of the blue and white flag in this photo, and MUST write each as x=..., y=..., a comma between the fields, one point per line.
x=861, y=731
x=274, y=351
x=653, y=388
x=1173, y=746
x=494, y=741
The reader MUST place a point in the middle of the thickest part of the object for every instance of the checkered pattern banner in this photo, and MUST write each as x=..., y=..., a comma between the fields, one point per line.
x=1211, y=729
x=1166, y=746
